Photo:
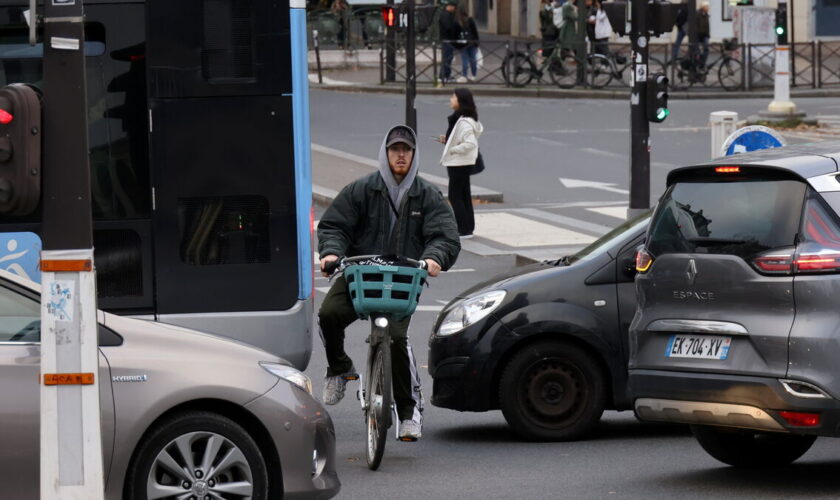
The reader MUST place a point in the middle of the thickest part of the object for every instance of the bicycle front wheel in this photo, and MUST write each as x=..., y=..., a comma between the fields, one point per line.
x=379, y=397
x=600, y=73
x=731, y=74
x=518, y=69
x=563, y=70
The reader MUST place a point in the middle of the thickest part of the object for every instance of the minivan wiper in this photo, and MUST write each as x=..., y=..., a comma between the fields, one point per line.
x=707, y=241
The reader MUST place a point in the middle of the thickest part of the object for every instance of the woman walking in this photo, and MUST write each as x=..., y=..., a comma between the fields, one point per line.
x=459, y=156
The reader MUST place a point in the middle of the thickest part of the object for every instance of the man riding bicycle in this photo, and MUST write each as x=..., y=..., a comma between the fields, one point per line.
x=392, y=211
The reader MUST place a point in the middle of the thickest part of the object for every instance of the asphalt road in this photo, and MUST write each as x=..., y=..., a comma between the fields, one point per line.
x=529, y=144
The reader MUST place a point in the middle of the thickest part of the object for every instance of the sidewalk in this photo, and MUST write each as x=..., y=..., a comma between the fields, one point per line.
x=366, y=79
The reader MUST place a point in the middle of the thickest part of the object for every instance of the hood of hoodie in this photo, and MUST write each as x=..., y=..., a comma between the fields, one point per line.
x=397, y=191
x=478, y=128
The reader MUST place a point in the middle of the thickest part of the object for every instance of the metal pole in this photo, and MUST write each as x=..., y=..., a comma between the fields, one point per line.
x=580, y=50
x=410, y=70
x=390, y=50
x=71, y=442
x=792, y=47
x=639, y=125
x=317, y=55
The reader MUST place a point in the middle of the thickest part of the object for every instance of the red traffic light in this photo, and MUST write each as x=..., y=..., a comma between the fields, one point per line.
x=389, y=16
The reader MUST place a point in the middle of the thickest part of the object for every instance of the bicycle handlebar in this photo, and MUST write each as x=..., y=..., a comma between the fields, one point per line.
x=342, y=262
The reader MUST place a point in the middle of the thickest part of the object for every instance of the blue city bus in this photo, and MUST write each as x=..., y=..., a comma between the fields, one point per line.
x=198, y=120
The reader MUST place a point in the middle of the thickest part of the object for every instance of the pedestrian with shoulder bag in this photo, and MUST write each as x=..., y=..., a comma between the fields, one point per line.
x=460, y=157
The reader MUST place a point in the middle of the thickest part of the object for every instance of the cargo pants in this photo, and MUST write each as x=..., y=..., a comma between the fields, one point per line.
x=336, y=314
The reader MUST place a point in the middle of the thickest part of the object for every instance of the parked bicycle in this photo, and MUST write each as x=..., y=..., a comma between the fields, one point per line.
x=604, y=68
x=383, y=289
x=685, y=71
x=519, y=67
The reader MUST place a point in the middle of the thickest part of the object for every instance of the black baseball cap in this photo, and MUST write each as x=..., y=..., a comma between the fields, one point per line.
x=401, y=134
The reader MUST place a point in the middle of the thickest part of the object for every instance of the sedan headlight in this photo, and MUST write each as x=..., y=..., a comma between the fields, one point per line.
x=289, y=374
x=470, y=311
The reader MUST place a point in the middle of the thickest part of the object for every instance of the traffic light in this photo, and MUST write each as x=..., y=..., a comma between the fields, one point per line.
x=781, y=24
x=657, y=98
x=389, y=15
x=20, y=149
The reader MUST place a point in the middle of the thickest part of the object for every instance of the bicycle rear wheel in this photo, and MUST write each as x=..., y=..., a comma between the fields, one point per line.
x=518, y=69
x=563, y=70
x=600, y=73
x=731, y=74
x=379, y=400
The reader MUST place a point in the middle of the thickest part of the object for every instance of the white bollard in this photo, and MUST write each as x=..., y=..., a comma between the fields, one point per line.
x=781, y=103
x=723, y=124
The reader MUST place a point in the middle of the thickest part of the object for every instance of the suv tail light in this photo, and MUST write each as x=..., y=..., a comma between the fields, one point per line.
x=817, y=262
x=643, y=260
x=808, y=260
x=800, y=419
x=778, y=261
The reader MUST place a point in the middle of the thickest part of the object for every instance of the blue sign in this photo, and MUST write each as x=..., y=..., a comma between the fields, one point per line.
x=751, y=138
x=20, y=253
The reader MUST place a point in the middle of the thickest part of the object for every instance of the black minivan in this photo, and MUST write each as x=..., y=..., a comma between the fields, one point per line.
x=737, y=331
x=546, y=343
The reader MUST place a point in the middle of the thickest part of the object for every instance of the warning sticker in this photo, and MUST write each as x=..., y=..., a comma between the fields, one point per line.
x=61, y=301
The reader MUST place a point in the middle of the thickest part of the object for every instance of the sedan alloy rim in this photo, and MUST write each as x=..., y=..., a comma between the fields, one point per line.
x=202, y=466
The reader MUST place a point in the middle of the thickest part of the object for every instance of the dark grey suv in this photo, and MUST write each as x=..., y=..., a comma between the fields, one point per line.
x=737, y=329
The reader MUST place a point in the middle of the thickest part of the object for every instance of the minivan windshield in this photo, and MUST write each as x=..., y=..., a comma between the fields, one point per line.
x=735, y=218
x=607, y=241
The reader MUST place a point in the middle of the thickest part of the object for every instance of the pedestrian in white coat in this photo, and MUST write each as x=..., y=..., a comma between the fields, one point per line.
x=459, y=156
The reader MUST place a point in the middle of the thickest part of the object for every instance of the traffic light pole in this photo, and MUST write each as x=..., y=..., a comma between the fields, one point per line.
x=71, y=443
x=390, y=50
x=410, y=70
x=639, y=125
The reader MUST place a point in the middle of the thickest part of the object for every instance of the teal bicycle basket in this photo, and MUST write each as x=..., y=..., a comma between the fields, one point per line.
x=393, y=290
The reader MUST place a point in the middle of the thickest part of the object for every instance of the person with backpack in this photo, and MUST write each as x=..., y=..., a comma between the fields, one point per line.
x=469, y=51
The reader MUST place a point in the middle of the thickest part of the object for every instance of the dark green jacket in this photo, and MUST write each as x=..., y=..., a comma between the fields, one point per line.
x=357, y=223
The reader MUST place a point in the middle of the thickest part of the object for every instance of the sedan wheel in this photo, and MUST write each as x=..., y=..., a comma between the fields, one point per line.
x=198, y=455
x=552, y=392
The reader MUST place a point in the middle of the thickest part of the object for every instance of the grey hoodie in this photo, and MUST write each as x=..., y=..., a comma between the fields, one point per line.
x=397, y=191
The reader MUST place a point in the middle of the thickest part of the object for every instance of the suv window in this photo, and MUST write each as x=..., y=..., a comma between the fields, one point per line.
x=736, y=218
x=20, y=317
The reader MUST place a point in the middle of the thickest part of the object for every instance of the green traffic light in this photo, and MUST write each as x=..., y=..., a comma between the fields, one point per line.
x=780, y=30
x=662, y=113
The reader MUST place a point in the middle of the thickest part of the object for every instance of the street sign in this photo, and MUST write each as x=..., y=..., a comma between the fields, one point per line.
x=20, y=254
x=751, y=138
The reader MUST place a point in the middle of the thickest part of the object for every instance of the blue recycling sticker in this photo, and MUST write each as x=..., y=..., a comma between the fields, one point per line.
x=20, y=253
x=751, y=138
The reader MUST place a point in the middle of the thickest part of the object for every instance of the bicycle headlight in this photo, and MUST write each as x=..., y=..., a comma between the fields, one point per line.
x=470, y=311
x=289, y=374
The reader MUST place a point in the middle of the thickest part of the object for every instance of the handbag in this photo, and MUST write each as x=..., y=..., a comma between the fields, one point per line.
x=479, y=165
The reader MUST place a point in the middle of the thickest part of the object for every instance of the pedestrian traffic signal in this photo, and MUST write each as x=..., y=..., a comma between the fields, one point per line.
x=657, y=98
x=20, y=149
x=781, y=24
x=389, y=15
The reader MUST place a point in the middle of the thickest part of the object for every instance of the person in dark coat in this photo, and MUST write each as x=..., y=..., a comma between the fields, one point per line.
x=548, y=30
x=391, y=211
x=450, y=32
x=469, y=52
x=682, y=26
x=703, y=32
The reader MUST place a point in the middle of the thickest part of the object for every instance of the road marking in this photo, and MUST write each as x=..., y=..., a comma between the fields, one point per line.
x=563, y=220
x=574, y=204
x=601, y=152
x=617, y=212
x=467, y=270
x=580, y=183
x=429, y=308
x=322, y=289
x=515, y=231
x=550, y=142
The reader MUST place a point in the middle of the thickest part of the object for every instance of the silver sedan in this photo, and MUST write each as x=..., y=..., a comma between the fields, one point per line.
x=184, y=414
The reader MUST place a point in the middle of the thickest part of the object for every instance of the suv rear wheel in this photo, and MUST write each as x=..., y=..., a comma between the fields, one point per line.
x=552, y=391
x=745, y=448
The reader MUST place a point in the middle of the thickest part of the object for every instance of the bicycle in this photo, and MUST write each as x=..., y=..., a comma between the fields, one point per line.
x=603, y=68
x=685, y=71
x=519, y=67
x=383, y=291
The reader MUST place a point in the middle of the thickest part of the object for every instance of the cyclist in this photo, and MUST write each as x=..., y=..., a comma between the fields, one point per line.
x=392, y=211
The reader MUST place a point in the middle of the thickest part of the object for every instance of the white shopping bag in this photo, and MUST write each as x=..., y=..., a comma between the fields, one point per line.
x=479, y=58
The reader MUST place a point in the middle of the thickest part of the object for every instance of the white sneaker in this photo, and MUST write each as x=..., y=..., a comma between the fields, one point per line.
x=335, y=386
x=471, y=78
x=410, y=430
x=461, y=79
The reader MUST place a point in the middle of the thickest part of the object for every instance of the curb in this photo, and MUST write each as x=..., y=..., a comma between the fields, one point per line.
x=552, y=93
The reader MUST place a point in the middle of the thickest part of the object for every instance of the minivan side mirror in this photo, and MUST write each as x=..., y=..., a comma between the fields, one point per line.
x=628, y=266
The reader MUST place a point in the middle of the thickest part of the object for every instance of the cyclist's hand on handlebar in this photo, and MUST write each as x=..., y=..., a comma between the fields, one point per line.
x=433, y=267
x=326, y=268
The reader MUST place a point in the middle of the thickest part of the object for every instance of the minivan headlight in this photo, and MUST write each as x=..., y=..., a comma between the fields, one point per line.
x=289, y=374
x=470, y=311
